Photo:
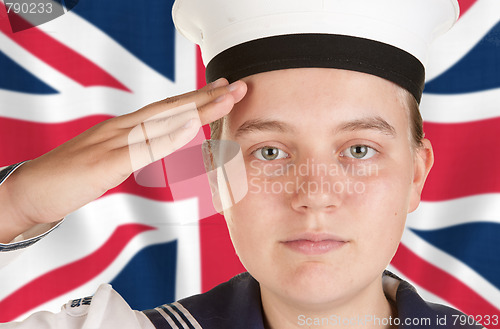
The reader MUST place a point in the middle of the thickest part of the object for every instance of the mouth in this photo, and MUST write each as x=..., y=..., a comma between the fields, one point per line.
x=314, y=244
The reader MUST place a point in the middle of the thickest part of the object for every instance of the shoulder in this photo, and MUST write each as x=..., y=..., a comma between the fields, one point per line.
x=415, y=312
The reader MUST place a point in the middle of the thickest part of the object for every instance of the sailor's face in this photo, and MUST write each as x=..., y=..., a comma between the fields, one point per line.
x=331, y=175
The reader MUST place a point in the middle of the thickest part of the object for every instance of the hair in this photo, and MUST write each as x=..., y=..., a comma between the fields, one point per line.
x=415, y=129
x=216, y=128
x=416, y=124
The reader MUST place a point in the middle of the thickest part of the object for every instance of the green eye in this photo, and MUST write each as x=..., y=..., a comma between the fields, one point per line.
x=268, y=153
x=359, y=152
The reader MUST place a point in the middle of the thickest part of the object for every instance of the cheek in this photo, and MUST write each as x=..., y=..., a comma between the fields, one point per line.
x=252, y=223
x=381, y=210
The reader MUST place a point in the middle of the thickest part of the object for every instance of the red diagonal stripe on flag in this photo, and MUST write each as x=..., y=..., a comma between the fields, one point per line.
x=60, y=57
x=23, y=140
x=467, y=159
x=441, y=283
x=68, y=277
x=465, y=5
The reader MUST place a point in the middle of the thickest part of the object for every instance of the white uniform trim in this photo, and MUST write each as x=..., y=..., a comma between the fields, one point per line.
x=188, y=315
x=175, y=315
x=167, y=318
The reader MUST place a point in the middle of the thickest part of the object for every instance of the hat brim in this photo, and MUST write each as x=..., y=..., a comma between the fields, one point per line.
x=321, y=51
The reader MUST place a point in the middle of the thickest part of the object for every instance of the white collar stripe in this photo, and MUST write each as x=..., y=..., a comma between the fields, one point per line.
x=178, y=318
x=189, y=318
x=174, y=324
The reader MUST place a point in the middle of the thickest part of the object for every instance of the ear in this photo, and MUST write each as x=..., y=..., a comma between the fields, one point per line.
x=422, y=163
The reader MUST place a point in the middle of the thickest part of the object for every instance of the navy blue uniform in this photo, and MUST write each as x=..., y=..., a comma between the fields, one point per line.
x=236, y=304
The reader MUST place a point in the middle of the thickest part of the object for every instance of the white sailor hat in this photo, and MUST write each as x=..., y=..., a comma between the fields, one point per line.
x=386, y=38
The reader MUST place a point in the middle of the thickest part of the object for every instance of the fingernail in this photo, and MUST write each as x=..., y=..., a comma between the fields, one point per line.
x=233, y=86
x=219, y=99
x=188, y=124
x=218, y=83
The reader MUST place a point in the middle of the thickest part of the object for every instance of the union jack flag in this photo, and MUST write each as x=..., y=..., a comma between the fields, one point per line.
x=106, y=58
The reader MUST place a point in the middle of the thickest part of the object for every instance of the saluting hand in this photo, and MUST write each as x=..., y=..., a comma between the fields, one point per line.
x=50, y=187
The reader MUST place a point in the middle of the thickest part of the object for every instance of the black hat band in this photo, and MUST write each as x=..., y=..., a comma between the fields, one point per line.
x=319, y=50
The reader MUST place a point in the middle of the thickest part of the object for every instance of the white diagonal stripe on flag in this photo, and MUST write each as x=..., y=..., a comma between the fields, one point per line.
x=470, y=209
x=453, y=266
x=452, y=46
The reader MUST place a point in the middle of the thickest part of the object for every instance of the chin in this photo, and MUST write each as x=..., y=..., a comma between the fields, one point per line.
x=316, y=283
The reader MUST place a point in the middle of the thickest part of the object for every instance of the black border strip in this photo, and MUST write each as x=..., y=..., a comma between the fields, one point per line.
x=319, y=50
x=7, y=171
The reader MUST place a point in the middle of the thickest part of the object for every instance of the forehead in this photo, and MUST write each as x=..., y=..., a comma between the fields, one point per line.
x=318, y=99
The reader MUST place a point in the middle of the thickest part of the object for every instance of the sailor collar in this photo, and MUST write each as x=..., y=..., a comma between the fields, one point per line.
x=237, y=304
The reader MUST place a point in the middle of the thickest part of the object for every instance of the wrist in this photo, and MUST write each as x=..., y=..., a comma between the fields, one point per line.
x=13, y=221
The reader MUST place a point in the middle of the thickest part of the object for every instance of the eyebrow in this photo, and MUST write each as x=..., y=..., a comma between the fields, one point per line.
x=372, y=123
x=257, y=125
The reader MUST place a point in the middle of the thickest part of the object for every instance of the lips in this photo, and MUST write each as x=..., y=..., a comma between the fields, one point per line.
x=314, y=244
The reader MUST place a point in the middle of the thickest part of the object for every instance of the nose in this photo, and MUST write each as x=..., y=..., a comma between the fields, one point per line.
x=320, y=188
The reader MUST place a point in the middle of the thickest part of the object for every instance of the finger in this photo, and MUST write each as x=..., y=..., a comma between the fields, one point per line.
x=160, y=124
x=215, y=84
x=199, y=97
x=222, y=105
x=210, y=89
x=151, y=150
x=215, y=110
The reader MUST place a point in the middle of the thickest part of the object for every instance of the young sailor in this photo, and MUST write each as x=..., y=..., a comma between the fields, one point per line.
x=329, y=86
